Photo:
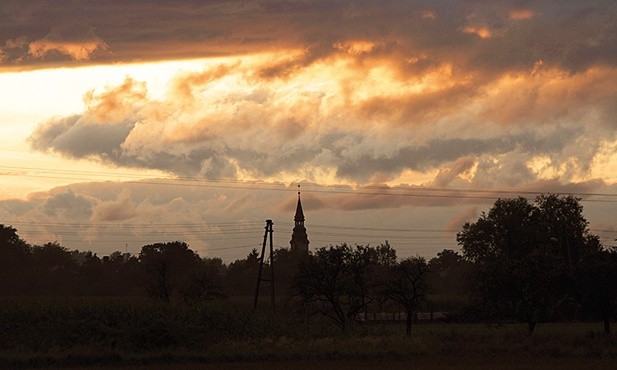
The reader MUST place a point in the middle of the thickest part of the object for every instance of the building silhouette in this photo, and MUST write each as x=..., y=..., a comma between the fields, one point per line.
x=299, y=240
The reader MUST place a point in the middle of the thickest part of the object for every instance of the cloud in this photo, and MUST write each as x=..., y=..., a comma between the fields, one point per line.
x=77, y=50
x=226, y=219
x=481, y=32
x=120, y=209
x=521, y=14
x=15, y=207
x=68, y=204
x=228, y=122
x=409, y=91
x=457, y=221
x=471, y=95
x=99, y=131
x=573, y=36
x=77, y=138
x=448, y=174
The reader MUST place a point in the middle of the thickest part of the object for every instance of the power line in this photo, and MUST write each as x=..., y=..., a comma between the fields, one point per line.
x=326, y=189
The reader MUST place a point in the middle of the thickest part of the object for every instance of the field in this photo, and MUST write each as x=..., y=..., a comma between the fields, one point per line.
x=138, y=333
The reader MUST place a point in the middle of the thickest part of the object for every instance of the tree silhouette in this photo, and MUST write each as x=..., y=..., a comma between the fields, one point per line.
x=406, y=285
x=339, y=281
x=167, y=265
x=450, y=274
x=55, y=270
x=597, y=278
x=524, y=263
x=15, y=258
x=203, y=282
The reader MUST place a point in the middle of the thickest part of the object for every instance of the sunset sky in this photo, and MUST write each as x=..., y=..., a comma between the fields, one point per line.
x=124, y=123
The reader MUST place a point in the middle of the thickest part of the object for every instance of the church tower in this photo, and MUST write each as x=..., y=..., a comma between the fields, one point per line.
x=299, y=240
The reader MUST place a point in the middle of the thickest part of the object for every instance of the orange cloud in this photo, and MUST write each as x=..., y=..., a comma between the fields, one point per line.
x=117, y=103
x=428, y=14
x=76, y=50
x=481, y=32
x=521, y=14
x=355, y=47
x=358, y=121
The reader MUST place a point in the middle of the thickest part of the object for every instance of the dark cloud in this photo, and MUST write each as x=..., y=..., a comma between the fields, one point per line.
x=75, y=137
x=571, y=35
x=437, y=152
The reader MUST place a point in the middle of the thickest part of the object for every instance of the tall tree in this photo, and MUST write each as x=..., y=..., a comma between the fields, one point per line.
x=525, y=254
x=563, y=226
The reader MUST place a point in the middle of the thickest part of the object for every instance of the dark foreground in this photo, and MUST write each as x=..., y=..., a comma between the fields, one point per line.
x=133, y=334
x=433, y=346
x=430, y=363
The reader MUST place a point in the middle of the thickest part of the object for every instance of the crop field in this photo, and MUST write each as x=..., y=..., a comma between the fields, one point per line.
x=139, y=333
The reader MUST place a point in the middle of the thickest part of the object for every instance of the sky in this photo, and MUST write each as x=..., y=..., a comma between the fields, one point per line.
x=128, y=123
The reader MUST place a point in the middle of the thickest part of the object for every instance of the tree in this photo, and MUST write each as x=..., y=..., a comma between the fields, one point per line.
x=122, y=274
x=508, y=231
x=406, y=285
x=322, y=282
x=525, y=253
x=241, y=274
x=91, y=274
x=15, y=260
x=597, y=278
x=204, y=282
x=339, y=281
x=166, y=266
x=563, y=226
x=450, y=274
x=55, y=270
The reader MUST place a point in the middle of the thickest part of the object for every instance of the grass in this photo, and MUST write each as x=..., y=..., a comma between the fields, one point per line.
x=89, y=331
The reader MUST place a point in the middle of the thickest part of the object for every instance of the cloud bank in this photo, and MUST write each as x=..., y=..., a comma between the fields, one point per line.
x=360, y=124
x=367, y=92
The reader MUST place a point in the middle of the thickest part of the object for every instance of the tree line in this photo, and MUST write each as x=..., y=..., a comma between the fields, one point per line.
x=526, y=261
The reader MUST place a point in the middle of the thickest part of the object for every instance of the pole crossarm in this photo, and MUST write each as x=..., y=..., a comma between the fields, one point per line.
x=268, y=231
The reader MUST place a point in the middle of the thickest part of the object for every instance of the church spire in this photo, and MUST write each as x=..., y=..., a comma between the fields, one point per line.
x=299, y=217
x=299, y=240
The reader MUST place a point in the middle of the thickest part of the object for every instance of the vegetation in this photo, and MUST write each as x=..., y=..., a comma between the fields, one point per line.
x=339, y=281
x=525, y=256
x=406, y=285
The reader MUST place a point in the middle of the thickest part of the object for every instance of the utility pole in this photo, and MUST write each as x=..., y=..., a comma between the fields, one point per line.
x=268, y=230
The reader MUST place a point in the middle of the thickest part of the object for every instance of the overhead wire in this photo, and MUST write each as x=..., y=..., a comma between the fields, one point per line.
x=224, y=230
x=227, y=183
